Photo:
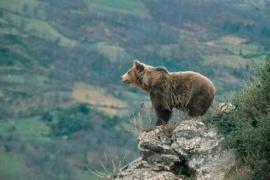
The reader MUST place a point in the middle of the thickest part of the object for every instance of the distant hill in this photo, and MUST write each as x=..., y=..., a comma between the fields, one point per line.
x=86, y=40
x=56, y=54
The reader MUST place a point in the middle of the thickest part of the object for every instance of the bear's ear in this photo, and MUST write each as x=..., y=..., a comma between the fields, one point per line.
x=139, y=66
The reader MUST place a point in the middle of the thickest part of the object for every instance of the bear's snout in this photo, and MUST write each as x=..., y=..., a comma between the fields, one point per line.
x=124, y=79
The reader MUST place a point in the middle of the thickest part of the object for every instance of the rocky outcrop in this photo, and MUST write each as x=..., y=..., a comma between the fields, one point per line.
x=192, y=149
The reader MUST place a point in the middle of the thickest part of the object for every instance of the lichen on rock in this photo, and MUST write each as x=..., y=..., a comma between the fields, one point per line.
x=193, y=150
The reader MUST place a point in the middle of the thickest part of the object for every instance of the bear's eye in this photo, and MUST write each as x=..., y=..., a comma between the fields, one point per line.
x=128, y=72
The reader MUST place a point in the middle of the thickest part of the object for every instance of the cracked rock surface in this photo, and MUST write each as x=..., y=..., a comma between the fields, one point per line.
x=191, y=150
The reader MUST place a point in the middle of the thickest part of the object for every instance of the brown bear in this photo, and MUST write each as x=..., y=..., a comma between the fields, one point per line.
x=188, y=91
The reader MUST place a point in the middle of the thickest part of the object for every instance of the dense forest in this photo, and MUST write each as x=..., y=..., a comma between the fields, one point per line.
x=62, y=104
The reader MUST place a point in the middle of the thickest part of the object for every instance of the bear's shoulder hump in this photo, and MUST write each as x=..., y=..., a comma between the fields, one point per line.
x=162, y=69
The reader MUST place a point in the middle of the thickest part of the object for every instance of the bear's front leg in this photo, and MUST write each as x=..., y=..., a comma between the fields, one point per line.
x=163, y=115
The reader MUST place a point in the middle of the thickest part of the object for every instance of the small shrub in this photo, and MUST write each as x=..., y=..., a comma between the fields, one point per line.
x=111, y=168
x=70, y=120
x=47, y=117
x=83, y=108
x=222, y=121
x=141, y=122
x=250, y=122
x=145, y=121
x=169, y=128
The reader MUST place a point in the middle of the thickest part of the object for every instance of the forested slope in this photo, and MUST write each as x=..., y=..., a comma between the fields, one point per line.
x=61, y=99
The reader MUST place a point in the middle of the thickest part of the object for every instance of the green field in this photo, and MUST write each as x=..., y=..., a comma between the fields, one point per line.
x=24, y=7
x=27, y=16
x=30, y=129
x=12, y=166
x=62, y=103
x=134, y=7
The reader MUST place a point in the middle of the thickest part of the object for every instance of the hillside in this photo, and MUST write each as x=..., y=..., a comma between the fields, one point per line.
x=60, y=63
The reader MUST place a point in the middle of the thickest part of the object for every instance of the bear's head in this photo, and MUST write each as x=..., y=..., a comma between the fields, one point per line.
x=144, y=76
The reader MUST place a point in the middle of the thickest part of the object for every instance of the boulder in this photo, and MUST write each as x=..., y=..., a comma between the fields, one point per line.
x=192, y=149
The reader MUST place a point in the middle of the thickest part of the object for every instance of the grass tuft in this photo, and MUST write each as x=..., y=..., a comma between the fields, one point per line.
x=110, y=168
x=143, y=121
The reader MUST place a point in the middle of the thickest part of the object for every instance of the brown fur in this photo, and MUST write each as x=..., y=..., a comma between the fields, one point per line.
x=188, y=91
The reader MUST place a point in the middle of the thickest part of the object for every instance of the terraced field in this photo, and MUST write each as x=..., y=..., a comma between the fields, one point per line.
x=61, y=100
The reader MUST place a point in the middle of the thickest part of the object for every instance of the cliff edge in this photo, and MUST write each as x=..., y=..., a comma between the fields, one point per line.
x=191, y=150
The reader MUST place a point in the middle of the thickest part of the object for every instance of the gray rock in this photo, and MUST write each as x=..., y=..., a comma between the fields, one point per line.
x=155, y=148
x=141, y=170
x=192, y=144
x=202, y=150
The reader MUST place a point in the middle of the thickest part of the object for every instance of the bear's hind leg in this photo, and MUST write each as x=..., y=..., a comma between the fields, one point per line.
x=163, y=115
x=198, y=108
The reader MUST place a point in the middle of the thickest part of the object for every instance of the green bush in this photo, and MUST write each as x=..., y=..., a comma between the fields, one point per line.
x=83, y=108
x=70, y=120
x=222, y=121
x=250, y=136
x=47, y=117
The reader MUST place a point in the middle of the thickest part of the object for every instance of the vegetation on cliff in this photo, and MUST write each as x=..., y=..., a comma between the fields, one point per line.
x=247, y=128
x=61, y=100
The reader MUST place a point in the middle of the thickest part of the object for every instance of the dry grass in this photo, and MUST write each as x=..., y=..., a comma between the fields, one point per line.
x=110, y=168
x=138, y=124
x=99, y=97
x=143, y=121
x=170, y=127
x=239, y=171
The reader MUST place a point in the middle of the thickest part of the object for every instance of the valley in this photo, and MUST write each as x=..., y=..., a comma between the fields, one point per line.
x=62, y=103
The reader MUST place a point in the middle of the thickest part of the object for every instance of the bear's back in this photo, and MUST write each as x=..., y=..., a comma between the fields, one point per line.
x=196, y=91
x=190, y=79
